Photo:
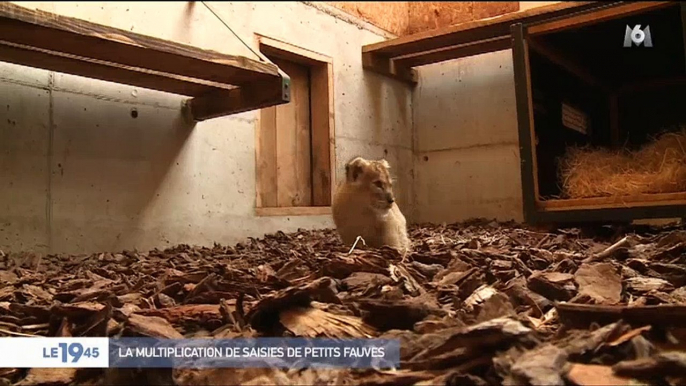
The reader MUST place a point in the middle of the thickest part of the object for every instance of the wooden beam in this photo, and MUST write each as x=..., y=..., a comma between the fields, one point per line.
x=290, y=52
x=598, y=16
x=454, y=52
x=559, y=58
x=241, y=99
x=72, y=64
x=656, y=199
x=473, y=31
x=525, y=120
x=294, y=211
x=73, y=36
x=384, y=65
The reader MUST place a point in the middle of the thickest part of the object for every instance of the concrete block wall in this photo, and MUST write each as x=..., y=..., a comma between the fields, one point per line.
x=81, y=172
x=467, y=160
x=466, y=142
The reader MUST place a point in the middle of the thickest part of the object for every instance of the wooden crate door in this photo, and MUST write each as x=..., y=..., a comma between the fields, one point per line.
x=285, y=145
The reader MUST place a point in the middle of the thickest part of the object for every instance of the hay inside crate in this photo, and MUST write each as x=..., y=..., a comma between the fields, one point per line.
x=658, y=167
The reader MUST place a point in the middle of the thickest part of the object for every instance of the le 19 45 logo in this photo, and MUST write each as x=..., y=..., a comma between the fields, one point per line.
x=73, y=351
x=637, y=36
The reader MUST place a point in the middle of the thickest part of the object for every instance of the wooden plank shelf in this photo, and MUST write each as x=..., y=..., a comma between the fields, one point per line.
x=397, y=57
x=654, y=199
x=218, y=84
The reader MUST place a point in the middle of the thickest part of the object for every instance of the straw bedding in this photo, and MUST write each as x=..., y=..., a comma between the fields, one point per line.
x=658, y=167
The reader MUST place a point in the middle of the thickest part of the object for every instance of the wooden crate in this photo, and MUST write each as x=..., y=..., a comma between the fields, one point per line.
x=577, y=84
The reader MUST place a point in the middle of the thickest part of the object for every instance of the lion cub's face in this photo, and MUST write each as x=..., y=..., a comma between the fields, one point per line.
x=371, y=177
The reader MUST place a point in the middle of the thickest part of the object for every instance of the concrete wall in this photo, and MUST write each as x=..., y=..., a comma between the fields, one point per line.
x=81, y=174
x=466, y=142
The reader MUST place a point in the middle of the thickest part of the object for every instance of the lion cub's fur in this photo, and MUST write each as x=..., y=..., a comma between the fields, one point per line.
x=364, y=205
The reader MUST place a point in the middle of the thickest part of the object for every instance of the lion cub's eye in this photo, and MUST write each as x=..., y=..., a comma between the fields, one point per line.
x=378, y=184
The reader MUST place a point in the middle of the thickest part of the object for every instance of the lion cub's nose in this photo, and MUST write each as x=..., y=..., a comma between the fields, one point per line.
x=390, y=199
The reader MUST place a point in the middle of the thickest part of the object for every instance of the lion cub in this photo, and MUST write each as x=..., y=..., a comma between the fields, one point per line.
x=364, y=206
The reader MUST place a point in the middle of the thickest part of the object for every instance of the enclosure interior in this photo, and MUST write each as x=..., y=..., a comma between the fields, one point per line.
x=648, y=81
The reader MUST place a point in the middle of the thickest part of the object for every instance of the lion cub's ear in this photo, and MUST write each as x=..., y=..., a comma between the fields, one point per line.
x=354, y=168
x=385, y=163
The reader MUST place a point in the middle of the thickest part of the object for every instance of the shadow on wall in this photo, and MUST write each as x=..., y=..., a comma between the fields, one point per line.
x=397, y=114
x=387, y=129
x=110, y=159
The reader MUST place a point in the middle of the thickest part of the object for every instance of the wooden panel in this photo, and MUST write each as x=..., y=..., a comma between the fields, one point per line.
x=598, y=16
x=73, y=36
x=391, y=16
x=488, y=9
x=322, y=133
x=613, y=202
x=430, y=15
x=293, y=143
x=525, y=5
x=265, y=158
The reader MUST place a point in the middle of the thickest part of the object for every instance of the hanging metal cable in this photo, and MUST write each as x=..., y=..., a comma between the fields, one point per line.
x=229, y=28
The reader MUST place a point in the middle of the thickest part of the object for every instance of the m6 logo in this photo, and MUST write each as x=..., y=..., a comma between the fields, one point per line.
x=637, y=36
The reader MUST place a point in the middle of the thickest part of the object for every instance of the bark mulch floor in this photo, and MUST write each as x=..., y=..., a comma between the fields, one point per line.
x=474, y=304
